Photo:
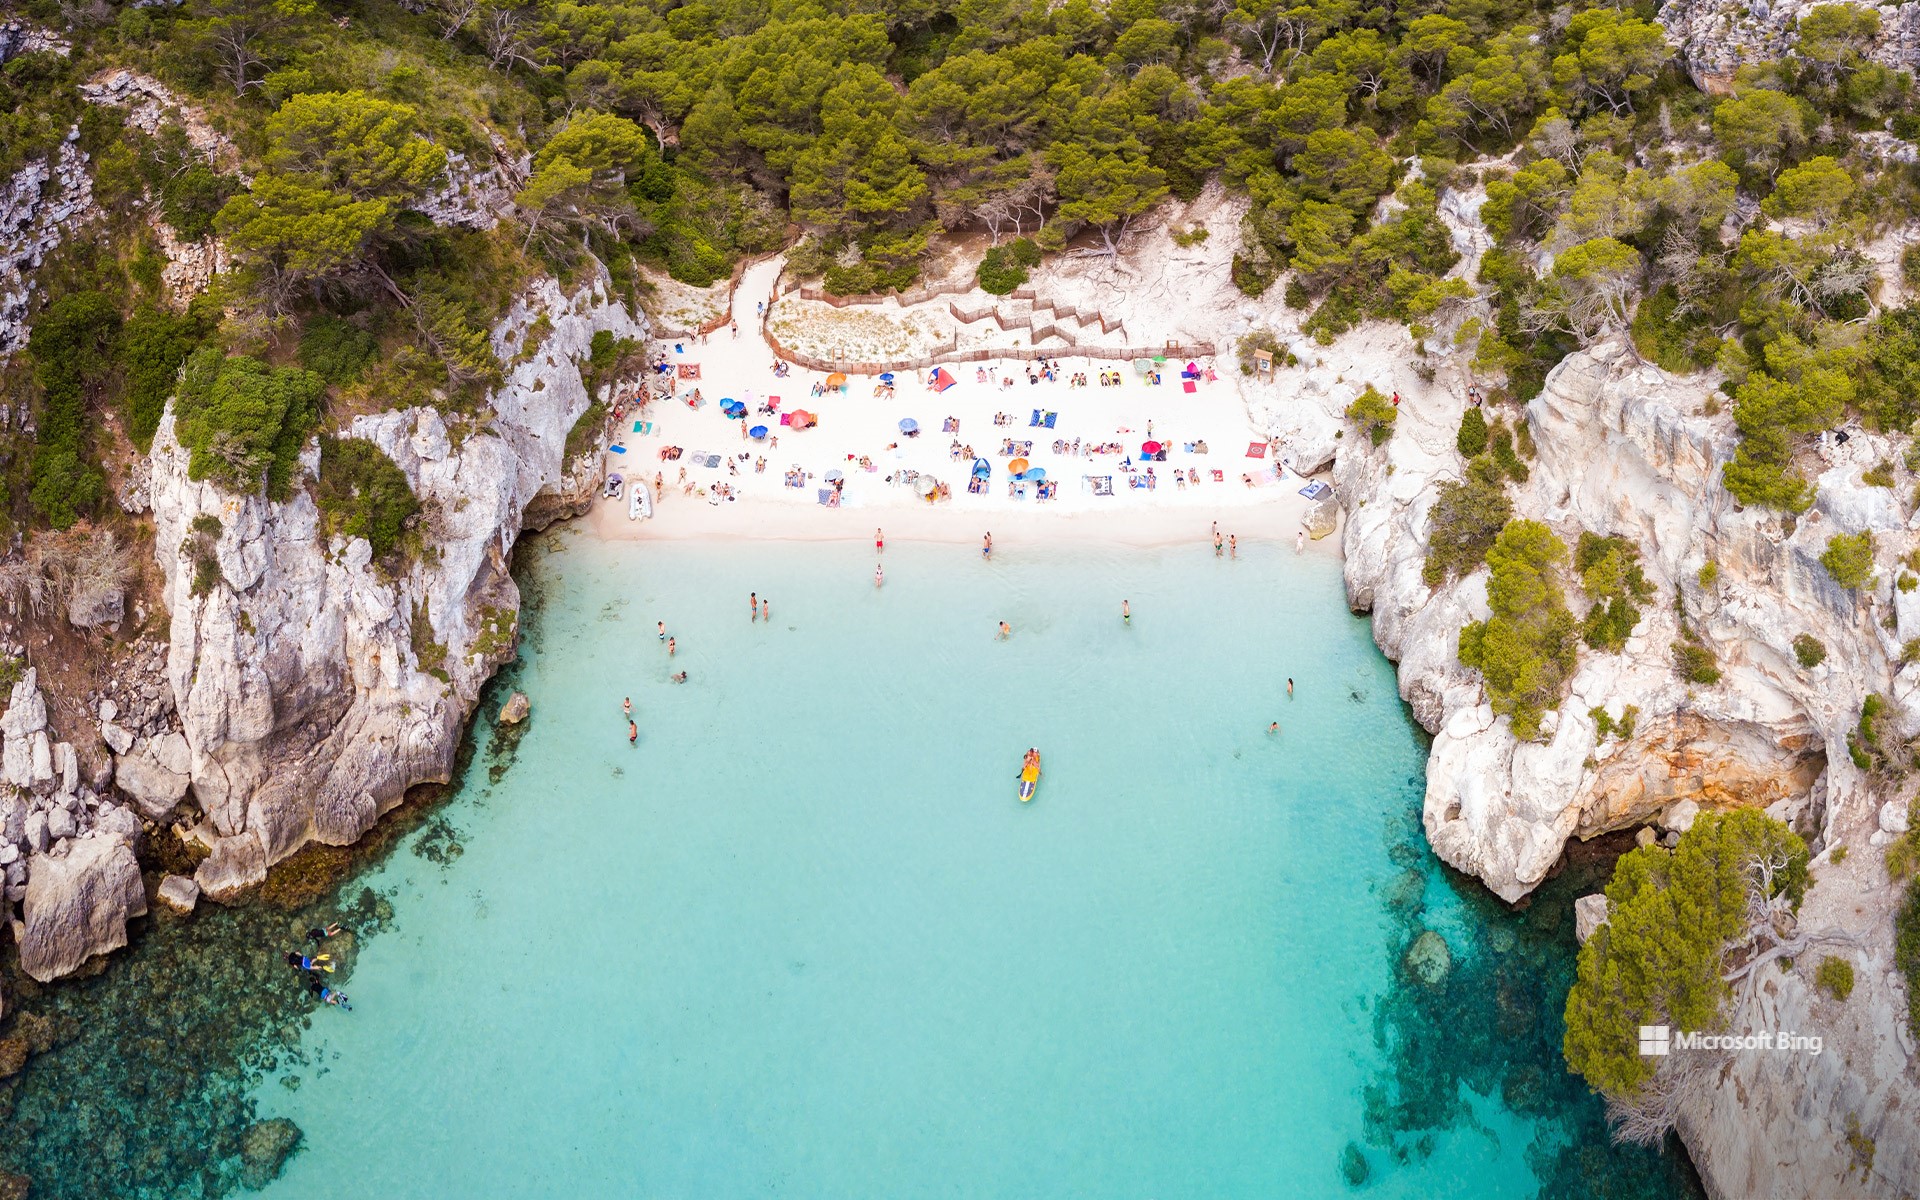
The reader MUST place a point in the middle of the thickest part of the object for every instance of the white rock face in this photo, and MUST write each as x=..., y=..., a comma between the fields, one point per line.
x=41, y=205
x=1716, y=37
x=305, y=710
x=1589, y=914
x=1622, y=450
x=78, y=905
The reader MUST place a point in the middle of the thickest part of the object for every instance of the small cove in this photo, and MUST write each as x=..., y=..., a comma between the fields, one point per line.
x=804, y=939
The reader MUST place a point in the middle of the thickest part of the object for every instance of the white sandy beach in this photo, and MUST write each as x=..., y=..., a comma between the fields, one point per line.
x=858, y=423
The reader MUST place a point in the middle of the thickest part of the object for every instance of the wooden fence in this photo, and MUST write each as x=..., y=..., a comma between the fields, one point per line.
x=920, y=362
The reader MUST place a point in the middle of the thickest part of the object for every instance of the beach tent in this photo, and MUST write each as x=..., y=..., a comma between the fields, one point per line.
x=940, y=380
x=758, y=431
x=1017, y=467
x=982, y=468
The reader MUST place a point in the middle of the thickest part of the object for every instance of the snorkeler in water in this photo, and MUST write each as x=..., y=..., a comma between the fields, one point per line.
x=319, y=962
x=321, y=935
x=327, y=995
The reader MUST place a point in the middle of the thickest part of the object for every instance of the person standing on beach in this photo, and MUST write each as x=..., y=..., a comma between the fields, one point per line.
x=766, y=611
x=986, y=548
x=626, y=707
x=879, y=576
x=669, y=647
x=1126, y=613
x=1233, y=546
x=1217, y=543
x=1299, y=540
x=663, y=631
x=879, y=541
x=753, y=602
x=633, y=734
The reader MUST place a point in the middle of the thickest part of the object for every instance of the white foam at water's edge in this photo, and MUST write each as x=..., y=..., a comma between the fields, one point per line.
x=803, y=939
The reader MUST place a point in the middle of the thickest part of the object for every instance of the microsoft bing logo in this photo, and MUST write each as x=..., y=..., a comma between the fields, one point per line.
x=1653, y=1040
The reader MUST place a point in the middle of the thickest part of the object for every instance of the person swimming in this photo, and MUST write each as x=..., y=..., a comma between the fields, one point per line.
x=669, y=647
x=680, y=678
x=319, y=962
x=633, y=734
x=327, y=995
x=1126, y=613
x=1289, y=685
x=663, y=631
x=320, y=935
x=626, y=708
x=1006, y=630
x=1274, y=728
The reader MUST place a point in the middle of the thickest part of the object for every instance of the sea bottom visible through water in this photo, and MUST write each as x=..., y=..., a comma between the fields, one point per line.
x=803, y=939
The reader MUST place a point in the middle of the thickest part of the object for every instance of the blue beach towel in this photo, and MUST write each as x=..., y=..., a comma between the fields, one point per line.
x=1047, y=420
x=1316, y=490
x=617, y=448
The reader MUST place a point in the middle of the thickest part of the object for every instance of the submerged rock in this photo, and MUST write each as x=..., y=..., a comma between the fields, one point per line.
x=264, y=1150
x=1428, y=959
x=78, y=905
x=516, y=708
x=1353, y=1166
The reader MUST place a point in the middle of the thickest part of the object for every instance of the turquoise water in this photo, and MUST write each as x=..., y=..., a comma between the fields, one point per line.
x=803, y=940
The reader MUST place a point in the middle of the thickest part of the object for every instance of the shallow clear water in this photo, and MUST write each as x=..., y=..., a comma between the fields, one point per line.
x=804, y=940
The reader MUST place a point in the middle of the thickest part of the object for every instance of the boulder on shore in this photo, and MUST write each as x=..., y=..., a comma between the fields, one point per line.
x=264, y=1149
x=78, y=905
x=179, y=893
x=516, y=708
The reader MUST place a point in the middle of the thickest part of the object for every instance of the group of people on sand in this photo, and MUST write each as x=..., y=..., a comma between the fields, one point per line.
x=313, y=964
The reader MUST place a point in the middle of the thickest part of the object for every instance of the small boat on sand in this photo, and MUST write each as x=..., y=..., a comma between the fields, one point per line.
x=614, y=484
x=1029, y=776
x=639, y=501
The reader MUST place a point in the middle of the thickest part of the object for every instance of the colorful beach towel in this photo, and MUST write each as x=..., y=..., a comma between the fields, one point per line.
x=1102, y=484
x=1189, y=386
x=1316, y=490
x=1256, y=449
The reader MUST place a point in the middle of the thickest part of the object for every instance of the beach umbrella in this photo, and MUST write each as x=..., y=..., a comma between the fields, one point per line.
x=834, y=476
x=1149, y=447
x=886, y=377
x=1037, y=474
x=928, y=485
x=1017, y=466
x=758, y=431
x=982, y=468
x=836, y=379
x=799, y=418
x=1159, y=358
x=1143, y=366
x=909, y=425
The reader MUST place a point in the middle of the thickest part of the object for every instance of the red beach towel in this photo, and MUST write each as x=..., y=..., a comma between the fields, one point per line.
x=1256, y=449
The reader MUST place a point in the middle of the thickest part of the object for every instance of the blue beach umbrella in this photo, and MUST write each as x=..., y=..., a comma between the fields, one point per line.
x=909, y=426
x=758, y=431
x=1037, y=474
x=886, y=377
x=834, y=477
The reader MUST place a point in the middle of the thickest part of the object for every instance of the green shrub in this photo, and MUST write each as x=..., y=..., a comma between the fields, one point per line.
x=1810, y=650
x=1864, y=744
x=586, y=429
x=998, y=273
x=1465, y=520
x=1527, y=649
x=243, y=422
x=1605, y=726
x=336, y=350
x=189, y=200
x=1472, y=438
x=1374, y=414
x=1835, y=976
x=1675, y=915
x=1709, y=575
x=363, y=493
x=154, y=344
x=1906, y=951
x=1878, y=475
x=75, y=340
x=1610, y=574
x=1907, y=581
x=1849, y=559
x=1500, y=445
x=1680, y=343
x=1696, y=663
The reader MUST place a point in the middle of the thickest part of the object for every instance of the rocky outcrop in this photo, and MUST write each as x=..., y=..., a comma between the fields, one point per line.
x=476, y=196
x=78, y=905
x=314, y=688
x=150, y=104
x=1715, y=38
x=1625, y=450
x=40, y=206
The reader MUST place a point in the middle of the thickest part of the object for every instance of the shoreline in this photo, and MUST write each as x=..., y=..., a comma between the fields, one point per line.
x=748, y=520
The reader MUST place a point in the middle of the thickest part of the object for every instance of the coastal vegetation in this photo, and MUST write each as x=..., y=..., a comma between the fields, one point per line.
x=1527, y=649
x=1675, y=920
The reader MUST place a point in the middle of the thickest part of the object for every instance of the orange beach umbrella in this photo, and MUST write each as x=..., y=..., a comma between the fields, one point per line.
x=1017, y=466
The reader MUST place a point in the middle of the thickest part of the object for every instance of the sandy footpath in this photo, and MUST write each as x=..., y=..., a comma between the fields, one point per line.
x=858, y=435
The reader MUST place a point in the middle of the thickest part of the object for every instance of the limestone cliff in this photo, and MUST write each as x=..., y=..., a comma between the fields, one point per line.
x=1625, y=450
x=314, y=686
